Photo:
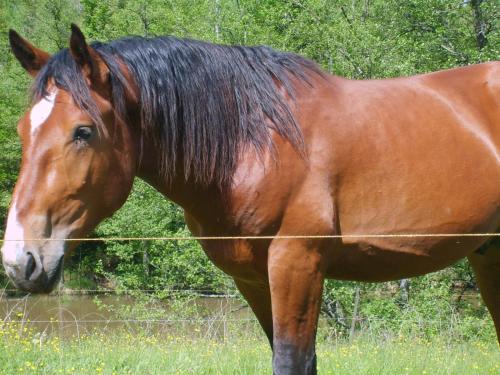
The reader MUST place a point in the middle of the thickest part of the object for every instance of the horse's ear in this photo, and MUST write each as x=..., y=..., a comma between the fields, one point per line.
x=31, y=58
x=86, y=57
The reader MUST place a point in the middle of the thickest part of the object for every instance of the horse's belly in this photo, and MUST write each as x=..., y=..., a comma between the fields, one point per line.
x=393, y=259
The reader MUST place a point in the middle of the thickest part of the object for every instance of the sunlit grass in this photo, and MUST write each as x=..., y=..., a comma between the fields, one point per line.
x=22, y=351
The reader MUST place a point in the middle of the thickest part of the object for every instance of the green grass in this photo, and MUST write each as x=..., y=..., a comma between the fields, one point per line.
x=23, y=352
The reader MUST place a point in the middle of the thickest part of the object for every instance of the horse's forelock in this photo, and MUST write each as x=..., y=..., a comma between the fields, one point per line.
x=63, y=72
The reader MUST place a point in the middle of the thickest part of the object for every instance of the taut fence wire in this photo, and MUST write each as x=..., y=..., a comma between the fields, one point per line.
x=213, y=319
x=270, y=237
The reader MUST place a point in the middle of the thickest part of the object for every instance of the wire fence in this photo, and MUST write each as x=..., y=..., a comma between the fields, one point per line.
x=204, y=293
x=226, y=317
x=19, y=313
x=220, y=319
x=208, y=293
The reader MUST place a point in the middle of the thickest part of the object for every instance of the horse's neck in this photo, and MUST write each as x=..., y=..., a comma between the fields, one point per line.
x=204, y=204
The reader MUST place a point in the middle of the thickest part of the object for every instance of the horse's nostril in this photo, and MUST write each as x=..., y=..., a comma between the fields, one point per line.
x=30, y=266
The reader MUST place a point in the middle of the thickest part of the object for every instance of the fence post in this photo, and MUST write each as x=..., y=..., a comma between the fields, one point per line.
x=355, y=313
x=404, y=285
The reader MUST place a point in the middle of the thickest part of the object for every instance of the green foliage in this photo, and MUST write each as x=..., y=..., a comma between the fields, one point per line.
x=153, y=265
x=432, y=300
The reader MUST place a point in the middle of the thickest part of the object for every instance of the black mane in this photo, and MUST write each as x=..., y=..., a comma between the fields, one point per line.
x=199, y=101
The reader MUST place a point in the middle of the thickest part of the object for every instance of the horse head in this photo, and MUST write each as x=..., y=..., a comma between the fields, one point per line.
x=77, y=161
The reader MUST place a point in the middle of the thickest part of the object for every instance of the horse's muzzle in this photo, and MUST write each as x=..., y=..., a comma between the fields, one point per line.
x=29, y=274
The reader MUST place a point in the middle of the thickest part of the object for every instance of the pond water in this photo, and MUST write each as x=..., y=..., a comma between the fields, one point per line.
x=180, y=315
x=69, y=315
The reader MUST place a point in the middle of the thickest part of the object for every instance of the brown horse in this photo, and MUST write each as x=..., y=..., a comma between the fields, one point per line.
x=254, y=142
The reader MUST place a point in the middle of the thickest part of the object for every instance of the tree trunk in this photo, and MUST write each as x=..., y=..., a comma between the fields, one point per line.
x=145, y=257
x=479, y=24
x=217, y=20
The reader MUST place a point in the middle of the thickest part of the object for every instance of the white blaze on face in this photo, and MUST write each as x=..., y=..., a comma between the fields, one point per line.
x=41, y=111
x=14, y=233
x=14, y=236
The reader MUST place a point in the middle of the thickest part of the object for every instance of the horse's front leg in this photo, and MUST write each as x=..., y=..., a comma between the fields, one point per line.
x=296, y=274
x=258, y=297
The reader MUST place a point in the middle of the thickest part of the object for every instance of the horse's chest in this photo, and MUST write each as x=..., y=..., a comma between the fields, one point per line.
x=238, y=258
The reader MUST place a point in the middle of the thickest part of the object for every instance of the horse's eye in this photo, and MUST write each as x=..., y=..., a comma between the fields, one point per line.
x=83, y=133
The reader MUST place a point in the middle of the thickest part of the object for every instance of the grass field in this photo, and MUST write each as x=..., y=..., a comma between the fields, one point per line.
x=120, y=352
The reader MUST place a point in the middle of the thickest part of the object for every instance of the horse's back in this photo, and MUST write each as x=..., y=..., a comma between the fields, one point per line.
x=475, y=87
